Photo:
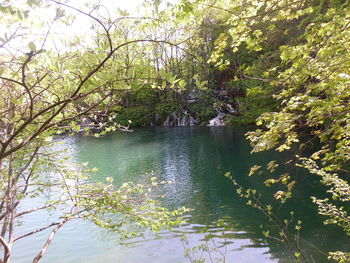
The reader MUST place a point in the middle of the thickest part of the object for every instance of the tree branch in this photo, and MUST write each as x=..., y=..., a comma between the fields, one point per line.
x=35, y=231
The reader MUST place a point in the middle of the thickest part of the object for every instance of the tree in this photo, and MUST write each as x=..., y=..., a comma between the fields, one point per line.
x=301, y=51
x=43, y=91
x=314, y=113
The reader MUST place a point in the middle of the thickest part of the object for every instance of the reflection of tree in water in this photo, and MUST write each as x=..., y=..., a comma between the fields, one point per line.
x=196, y=159
x=196, y=163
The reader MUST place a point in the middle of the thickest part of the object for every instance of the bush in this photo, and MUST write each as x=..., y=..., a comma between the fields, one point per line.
x=163, y=110
x=145, y=96
x=138, y=115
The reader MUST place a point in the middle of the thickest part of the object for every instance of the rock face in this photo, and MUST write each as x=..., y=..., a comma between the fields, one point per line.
x=182, y=119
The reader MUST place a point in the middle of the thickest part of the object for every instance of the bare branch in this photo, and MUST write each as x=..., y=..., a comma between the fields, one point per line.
x=35, y=231
x=49, y=240
x=33, y=210
x=7, y=248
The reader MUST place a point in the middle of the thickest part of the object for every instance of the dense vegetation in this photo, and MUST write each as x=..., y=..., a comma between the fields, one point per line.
x=283, y=65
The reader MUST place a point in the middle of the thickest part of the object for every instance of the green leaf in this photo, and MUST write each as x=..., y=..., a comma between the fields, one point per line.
x=31, y=46
x=182, y=84
x=33, y=2
x=14, y=101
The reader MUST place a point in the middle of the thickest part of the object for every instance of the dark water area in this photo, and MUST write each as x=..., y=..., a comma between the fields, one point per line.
x=195, y=159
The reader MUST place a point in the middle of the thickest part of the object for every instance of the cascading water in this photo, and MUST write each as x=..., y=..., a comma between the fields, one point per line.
x=231, y=109
x=218, y=120
x=184, y=119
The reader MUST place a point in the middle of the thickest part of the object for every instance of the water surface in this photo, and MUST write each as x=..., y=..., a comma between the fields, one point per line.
x=195, y=159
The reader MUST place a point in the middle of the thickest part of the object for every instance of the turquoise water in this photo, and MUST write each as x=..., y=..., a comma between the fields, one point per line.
x=195, y=159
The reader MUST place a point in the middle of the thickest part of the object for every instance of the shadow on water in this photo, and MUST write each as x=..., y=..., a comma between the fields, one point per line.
x=195, y=159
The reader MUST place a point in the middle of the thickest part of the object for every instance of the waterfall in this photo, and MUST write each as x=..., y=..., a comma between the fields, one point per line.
x=231, y=109
x=185, y=119
x=218, y=120
x=193, y=122
x=176, y=119
x=182, y=119
x=167, y=121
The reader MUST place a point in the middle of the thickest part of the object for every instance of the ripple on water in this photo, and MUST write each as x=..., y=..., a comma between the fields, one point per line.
x=195, y=159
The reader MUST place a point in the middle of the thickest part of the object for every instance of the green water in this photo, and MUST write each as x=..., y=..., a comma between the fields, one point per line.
x=196, y=159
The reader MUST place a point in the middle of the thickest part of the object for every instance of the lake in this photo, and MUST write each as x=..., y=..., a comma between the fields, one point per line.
x=195, y=159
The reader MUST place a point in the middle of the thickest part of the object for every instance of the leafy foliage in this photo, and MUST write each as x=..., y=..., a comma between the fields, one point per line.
x=46, y=91
x=297, y=51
